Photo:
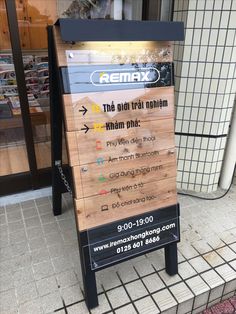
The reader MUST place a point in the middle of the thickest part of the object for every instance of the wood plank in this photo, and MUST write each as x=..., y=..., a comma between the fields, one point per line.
x=150, y=110
x=111, y=52
x=94, y=179
x=154, y=135
x=90, y=211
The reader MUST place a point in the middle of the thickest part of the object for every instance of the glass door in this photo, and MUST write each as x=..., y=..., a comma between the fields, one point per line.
x=13, y=153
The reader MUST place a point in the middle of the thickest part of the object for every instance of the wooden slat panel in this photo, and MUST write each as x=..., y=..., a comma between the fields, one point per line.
x=90, y=214
x=111, y=176
x=83, y=148
x=112, y=52
x=75, y=118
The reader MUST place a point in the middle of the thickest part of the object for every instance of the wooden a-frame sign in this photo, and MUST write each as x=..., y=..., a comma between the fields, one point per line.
x=112, y=84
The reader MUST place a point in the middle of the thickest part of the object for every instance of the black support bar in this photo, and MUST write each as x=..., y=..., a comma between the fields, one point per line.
x=56, y=125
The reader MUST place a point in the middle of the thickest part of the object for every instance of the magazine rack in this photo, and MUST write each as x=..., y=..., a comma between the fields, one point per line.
x=113, y=90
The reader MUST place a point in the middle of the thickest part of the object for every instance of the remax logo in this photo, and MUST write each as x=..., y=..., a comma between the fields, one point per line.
x=124, y=76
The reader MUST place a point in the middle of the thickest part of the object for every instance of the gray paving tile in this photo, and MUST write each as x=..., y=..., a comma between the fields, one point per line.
x=57, y=250
x=187, y=251
x=199, y=264
x=227, y=236
x=27, y=204
x=5, y=253
x=126, y=309
x=37, y=243
x=34, y=232
x=199, y=310
x=226, y=272
x=200, y=290
x=15, y=226
x=2, y=210
x=169, y=280
x=6, y=281
x=47, y=218
x=30, y=212
x=215, y=301
x=212, y=278
x=72, y=294
x=215, y=242
x=44, y=209
x=136, y=289
x=32, y=222
x=103, y=305
x=153, y=283
x=79, y=308
x=21, y=261
x=65, y=224
x=143, y=267
x=12, y=207
x=3, y=220
x=213, y=259
x=6, y=266
x=14, y=216
x=126, y=272
x=43, y=270
x=26, y=292
x=230, y=287
x=31, y=307
x=216, y=293
x=233, y=246
x=118, y=297
x=172, y=310
x=202, y=246
x=47, y=285
x=186, y=270
x=51, y=302
x=17, y=237
x=182, y=293
x=69, y=236
x=233, y=264
x=67, y=278
x=42, y=200
x=108, y=278
x=53, y=238
x=50, y=228
x=8, y=300
x=23, y=276
x=226, y=253
x=185, y=307
x=18, y=249
x=61, y=264
x=157, y=259
x=146, y=306
x=164, y=300
x=39, y=256
x=4, y=241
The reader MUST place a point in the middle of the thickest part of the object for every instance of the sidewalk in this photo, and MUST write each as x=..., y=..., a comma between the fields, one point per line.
x=40, y=271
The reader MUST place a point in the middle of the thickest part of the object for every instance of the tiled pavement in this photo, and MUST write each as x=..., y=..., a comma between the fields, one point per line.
x=40, y=271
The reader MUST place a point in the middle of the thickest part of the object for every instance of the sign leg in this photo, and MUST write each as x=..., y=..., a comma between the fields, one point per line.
x=89, y=280
x=171, y=259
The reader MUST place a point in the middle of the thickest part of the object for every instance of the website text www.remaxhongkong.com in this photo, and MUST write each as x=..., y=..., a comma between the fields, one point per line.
x=142, y=238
